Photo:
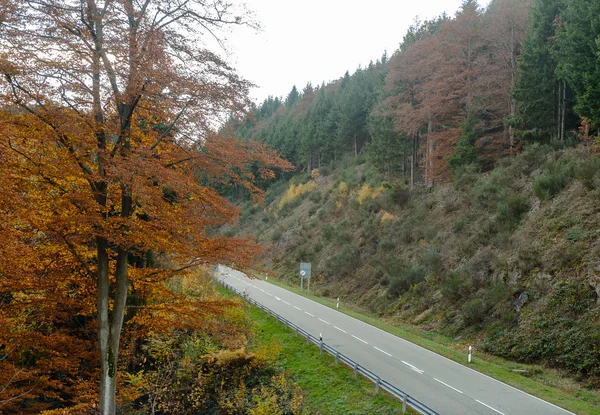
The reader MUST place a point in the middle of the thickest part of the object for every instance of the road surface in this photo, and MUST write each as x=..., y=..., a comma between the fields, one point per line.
x=444, y=385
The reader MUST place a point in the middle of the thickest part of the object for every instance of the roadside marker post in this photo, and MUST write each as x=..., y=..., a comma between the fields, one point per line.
x=337, y=305
x=470, y=353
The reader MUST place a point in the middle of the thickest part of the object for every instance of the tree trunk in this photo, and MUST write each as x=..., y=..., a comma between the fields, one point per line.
x=412, y=162
x=107, y=357
x=563, y=110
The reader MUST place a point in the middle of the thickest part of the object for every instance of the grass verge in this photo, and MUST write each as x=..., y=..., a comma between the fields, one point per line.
x=329, y=389
x=547, y=384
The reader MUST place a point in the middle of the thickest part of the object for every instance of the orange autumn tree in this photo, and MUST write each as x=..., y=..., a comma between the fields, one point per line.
x=107, y=113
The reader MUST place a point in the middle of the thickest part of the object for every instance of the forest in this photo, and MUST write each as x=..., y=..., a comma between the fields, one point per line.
x=447, y=179
x=460, y=92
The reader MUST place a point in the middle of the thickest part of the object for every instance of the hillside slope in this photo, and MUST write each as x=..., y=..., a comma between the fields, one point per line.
x=509, y=258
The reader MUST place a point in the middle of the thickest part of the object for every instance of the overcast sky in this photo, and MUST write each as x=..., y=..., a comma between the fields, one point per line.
x=317, y=41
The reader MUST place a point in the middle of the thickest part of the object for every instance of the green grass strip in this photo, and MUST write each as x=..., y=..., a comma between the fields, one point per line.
x=329, y=389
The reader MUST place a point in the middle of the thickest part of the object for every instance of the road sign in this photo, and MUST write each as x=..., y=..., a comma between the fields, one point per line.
x=304, y=273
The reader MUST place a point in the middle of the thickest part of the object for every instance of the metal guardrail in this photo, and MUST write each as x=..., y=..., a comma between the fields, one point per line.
x=358, y=369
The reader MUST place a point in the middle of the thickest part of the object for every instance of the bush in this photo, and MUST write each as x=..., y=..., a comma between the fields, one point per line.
x=402, y=284
x=454, y=286
x=473, y=312
x=554, y=178
x=588, y=173
x=487, y=194
x=511, y=211
x=399, y=195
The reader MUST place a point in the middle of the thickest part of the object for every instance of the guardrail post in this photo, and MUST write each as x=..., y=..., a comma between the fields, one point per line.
x=337, y=356
x=307, y=338
x=377, y=385
x=321, y=348
x=404, y=399
x=355, y=368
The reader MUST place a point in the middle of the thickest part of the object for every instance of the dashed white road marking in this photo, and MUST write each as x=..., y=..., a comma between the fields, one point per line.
x=382, y=351
x=445, y=384
x=326, y=322
x=278, y=299
x=487, y=406
x=358, y=338
x=309, y=313
x=262, y=290
x=297, y=308
x=416, y=369
x=269, y=294
x=342, y=330
x=285, y=302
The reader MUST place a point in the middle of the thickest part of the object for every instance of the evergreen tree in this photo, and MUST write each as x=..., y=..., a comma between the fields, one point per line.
x=577, y=53
x=537, y=82
x=292, y=98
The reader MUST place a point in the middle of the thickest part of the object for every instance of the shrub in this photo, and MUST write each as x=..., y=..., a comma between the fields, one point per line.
x=454, y=286
x=364, y=193
x=511, y=211
x=588, y=173
x=555, y=177
x=473, y=312
x=328, y=232
x=399, y=195
x=402, y=284
x=315, y=197
x=487, y=194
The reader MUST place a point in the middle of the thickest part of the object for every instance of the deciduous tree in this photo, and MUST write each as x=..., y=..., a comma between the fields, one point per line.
x=107, y=110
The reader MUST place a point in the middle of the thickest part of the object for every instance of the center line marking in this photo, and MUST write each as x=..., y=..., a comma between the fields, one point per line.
x=262, y=290
x=382, y=351
x=270, y=294
x=445, y=384
x=416, y=369
x=286, y=302
x=278, y=299
x=309, y=313
x=326, y=322
x=358, y=338
x=486, y=405
x=297, y=308
x=343, y=331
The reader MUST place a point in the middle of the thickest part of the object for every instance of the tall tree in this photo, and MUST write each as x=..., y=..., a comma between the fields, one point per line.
x=577, y=53
x=506, y=24
x=539, y=88
x=118, y=98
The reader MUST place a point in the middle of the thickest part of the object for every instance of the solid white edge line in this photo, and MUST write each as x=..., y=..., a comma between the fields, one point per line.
x=445, y=384
x=433, y=353
x=309, y=313
x=382, y=351
x=358, y=338
x=486, y=405
x=342, y=330
x=326, y=322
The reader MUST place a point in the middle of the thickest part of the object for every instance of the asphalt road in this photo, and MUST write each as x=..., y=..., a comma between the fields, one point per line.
x=445, y=386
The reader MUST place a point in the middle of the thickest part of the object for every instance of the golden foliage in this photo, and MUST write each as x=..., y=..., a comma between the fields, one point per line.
x=343, y=189
x=295, y=191
x=386, y=216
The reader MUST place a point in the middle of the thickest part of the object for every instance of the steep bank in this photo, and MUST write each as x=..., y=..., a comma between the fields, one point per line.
x=509, y=258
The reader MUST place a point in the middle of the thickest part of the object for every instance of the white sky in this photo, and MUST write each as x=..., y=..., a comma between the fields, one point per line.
x=319, y=40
